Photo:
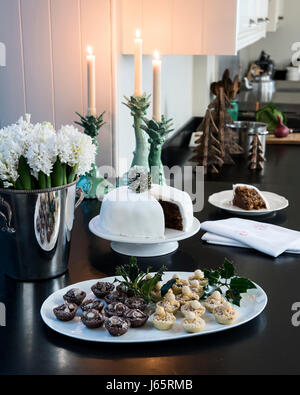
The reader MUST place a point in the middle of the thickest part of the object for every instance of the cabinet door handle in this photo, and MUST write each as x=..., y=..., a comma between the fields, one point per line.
x=281, y=18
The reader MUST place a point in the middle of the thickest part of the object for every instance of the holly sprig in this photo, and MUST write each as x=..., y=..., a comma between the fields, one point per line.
x=134, y=279
x=225, y=277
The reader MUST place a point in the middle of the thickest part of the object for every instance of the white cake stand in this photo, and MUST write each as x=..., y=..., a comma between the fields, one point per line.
x=144, y=247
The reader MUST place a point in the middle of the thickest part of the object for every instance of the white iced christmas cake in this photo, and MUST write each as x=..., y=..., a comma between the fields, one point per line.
x=127, y=213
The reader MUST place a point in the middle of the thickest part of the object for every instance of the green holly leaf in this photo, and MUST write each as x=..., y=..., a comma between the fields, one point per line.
x=168, y=285
x=227, y=271
x=213, y=276
x=235, y=287
x=135, y=279
x=241, y=285
x=209, y=291
x=148, y=285
x=234, y=297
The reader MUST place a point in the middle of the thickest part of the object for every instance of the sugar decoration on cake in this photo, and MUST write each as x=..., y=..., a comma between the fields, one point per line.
x=139, y=179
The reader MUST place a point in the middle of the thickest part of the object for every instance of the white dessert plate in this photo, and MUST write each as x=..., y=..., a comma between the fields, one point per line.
x=142, y=246
x=252, y=304
x=223, y=200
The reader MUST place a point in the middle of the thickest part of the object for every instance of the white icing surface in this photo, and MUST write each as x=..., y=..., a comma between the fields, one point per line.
x=252, y=187
x=126, y=213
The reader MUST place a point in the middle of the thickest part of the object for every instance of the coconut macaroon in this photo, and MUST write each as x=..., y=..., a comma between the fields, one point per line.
x=180, y=282
x=196, y=287
x=213, y=301
x=162, y=320
x=187, y=295
x=193, y=306
x=156, y=292
x=169, y=302
x=192, y=323
x=199, y=276
x=225, y=314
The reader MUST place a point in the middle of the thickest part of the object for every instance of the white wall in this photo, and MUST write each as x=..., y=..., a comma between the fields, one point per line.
x=204, y=73
x=177, y=95
x=278, y=44
x=45, y=71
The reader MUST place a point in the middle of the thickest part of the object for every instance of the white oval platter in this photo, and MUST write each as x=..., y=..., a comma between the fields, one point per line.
x=252, y=304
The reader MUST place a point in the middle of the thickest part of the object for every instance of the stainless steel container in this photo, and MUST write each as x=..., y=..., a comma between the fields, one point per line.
x=245, y=131
x=36, y=231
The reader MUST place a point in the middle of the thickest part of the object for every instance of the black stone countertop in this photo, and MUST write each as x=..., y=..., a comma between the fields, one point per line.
x=267, y=345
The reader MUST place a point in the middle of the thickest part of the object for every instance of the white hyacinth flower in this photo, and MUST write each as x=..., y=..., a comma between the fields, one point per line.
x=75, y=149
x=40, y=145
x=41, y=150
x=13, y=143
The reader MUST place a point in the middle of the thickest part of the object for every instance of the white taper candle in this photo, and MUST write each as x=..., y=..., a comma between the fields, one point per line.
x=156, y=62
x=91, y=79
x=138, y=61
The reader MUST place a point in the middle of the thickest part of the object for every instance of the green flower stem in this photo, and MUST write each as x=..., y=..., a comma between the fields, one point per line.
x=24, y=174
x=72, y=174
x=58, y=174
x=19, y=184
x=64, y=170
x=48, y=181
x=42, y=180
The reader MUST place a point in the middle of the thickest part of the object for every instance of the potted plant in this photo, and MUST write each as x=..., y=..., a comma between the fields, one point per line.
x=39, y=168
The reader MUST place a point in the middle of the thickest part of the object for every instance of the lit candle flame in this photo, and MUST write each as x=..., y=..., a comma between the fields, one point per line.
x=138, y=33
x=89, y=50
x=156, y=55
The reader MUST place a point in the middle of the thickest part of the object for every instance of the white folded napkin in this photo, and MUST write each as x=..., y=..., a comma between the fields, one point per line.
x=267, y=238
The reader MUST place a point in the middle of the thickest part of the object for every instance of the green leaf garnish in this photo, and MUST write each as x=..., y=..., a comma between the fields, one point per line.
x=228, y=270
x=225, y=277
x=241, y=284
x=168, y=285
x=135, y=279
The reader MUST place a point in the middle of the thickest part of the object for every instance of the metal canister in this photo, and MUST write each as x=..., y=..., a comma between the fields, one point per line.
x=245, y=132
x=36, y=231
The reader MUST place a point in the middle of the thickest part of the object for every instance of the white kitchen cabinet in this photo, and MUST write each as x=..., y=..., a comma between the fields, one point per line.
x=195, y=27
x=262, y=8
x=241, y=23
x=276, y=14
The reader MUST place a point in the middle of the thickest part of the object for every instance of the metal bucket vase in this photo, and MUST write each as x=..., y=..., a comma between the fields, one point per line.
x=36, y=230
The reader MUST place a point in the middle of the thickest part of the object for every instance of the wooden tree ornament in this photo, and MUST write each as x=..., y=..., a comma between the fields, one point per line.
x=217, y=143
x=209, y=153
x=256, y=157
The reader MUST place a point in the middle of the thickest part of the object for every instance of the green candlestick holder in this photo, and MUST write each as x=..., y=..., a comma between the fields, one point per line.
x=138, y=107
x=157, y=132
x=93, y=184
